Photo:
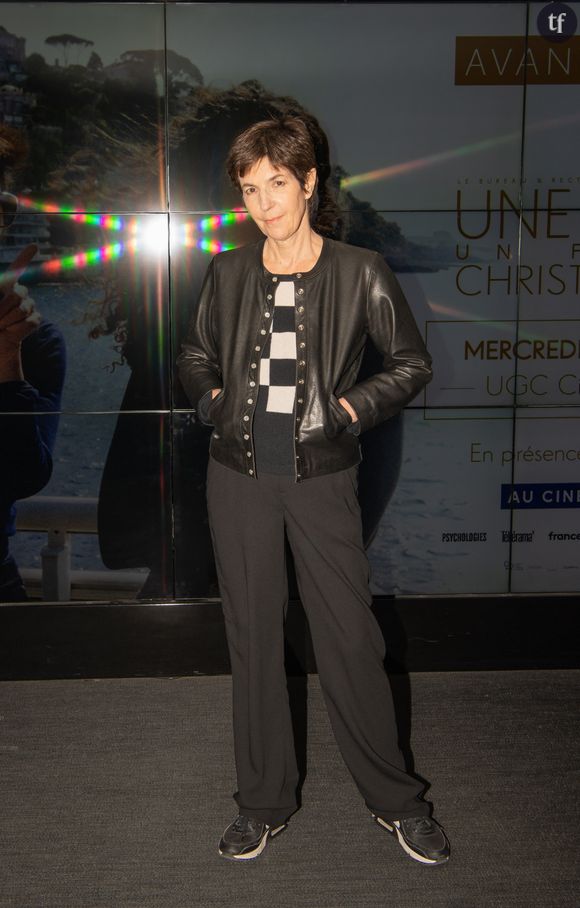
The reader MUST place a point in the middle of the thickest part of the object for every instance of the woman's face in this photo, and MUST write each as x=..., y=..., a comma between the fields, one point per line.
x=276, y=200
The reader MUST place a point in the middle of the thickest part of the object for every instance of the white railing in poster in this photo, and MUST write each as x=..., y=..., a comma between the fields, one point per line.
x=60, y=518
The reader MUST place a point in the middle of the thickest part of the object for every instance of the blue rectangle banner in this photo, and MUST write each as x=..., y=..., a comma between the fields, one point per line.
x=540, y=495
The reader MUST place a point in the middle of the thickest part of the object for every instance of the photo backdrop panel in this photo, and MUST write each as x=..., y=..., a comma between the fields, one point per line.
x=104, y=480
x=391, y=84
x=545, y=501
x=548, y=352
x=82, y=89
x=195, y=573
x=443, y=530
x=552, y=123
x=549, y=279
x=194, y=239
x=101, y=288
x=458, y=271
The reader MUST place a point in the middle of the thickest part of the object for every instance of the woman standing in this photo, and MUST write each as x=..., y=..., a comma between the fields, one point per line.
x=271, y=361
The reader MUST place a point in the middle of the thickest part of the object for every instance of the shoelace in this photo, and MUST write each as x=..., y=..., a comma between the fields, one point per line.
x=421, y=824
x=241, y=824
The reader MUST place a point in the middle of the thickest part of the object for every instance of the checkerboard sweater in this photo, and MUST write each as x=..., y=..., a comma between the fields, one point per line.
x=273, y=426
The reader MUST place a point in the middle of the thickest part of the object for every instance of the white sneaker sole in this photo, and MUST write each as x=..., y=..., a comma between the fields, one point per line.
x=249, y=855
x=394, y=830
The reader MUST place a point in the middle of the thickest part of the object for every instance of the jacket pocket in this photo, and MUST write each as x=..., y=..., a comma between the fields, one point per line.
x=215, y=407
x=338, y=419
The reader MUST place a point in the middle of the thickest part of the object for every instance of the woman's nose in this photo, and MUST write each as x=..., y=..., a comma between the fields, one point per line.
x=265, y=201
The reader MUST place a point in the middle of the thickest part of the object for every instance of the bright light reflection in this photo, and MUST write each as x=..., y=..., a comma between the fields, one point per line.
x=148, y=235
x=106, y=221
x=372, y=176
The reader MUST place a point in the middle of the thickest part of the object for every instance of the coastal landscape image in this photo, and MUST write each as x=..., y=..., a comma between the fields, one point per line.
x=115, y=120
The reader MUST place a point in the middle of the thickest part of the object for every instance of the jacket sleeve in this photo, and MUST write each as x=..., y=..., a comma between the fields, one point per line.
x=406, y=362
x=198, y=363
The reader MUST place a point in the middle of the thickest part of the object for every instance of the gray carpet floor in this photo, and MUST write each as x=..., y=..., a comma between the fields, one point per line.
x=115, y=792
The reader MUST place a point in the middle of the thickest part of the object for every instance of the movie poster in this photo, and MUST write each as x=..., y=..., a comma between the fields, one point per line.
x=453, y=152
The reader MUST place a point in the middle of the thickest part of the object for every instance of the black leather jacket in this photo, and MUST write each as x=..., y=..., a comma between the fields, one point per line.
x=349, y=294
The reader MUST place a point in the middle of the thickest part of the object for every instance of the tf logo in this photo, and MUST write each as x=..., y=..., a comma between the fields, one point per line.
x=557, y=22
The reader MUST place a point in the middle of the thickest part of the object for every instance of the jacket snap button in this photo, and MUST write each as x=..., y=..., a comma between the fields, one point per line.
x=299, y=274
x=246, y=418
x=301, y=327
x=302, y=345
x=269, y=297
x=250, y=400
x=251, y=472
x=300, y=291
x=267, y=314
x=246, y=437
x=252, y=365
x=248, y=453
x=252, y=384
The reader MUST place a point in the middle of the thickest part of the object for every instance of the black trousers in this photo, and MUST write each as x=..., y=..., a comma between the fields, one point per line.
x=321, y=517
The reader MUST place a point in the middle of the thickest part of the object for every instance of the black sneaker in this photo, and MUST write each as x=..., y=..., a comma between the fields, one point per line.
x=421, y=837
x=246, y=838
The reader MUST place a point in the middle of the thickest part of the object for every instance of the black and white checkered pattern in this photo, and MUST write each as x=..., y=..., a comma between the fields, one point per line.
x=278, y=362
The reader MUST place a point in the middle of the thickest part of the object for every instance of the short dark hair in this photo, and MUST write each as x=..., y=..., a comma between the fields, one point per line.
x=286, y=142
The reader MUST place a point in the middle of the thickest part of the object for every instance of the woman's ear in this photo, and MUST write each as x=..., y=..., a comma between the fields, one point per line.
x=310, y=183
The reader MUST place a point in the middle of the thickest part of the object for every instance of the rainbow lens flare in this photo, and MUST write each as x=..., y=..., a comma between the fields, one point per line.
x=82, y=259
x=147, y=235
x=188, y=235
x=384, y=173
x=105, y=221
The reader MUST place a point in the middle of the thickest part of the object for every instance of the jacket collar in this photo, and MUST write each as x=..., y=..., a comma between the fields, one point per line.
x=321, y=264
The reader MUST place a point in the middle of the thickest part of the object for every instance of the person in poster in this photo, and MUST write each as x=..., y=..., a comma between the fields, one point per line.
x=32, y=371
x=270, y=360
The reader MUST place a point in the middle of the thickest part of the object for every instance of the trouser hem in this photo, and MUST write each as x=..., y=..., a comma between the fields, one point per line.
x=265, y=816
x=421, y=810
